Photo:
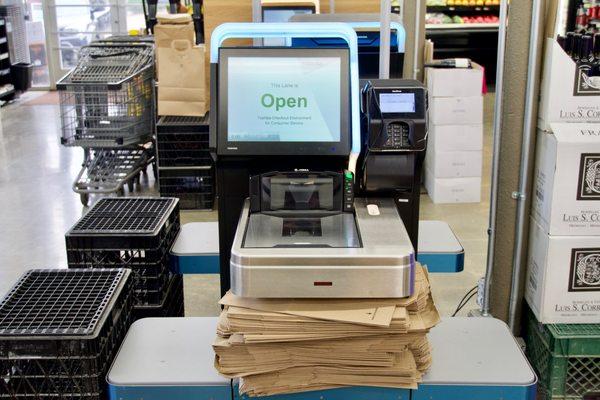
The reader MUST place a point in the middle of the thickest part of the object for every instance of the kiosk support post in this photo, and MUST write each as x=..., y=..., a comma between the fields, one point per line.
x=384, y=39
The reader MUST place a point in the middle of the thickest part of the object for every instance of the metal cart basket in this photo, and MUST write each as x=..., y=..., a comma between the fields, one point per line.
x=107, y=99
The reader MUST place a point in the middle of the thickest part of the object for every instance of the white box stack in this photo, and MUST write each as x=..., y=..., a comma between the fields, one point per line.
x=563, y=274
x=454, y=152
x=563, y=266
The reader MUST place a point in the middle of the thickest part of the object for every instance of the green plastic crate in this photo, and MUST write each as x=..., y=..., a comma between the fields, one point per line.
x=566, y=358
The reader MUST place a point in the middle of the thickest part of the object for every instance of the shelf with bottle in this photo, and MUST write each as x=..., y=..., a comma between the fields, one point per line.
x=436, y=21
x=464, y=9
x=471, y=27
x=464, y=6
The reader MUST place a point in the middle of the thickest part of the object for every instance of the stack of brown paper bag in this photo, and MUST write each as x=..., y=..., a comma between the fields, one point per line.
x=278, y=346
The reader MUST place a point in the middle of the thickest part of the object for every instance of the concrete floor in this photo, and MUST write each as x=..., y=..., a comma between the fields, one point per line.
x=37, y=207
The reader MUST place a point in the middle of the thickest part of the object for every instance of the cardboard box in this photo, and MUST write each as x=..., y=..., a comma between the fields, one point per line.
x=456, y=137
x=456, y=110
x=567, y=93
x=567, y=180
x=453, y=164
x=455, y=82
x=453, y=190
x=563, y=277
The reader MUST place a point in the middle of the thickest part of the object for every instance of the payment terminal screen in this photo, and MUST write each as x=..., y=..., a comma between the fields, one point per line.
x=397, y=102
x=283, y=99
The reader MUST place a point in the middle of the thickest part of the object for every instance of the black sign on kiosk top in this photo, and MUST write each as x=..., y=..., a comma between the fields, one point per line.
x=284, y=101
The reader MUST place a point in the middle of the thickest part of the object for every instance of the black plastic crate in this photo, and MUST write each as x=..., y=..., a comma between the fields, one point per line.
x=153, y=297
x=176, y=155
x=194, y=201
x=193, y=186
x=177, y=124
x=146, y=262
x=150, y=277
x=124, y=224
x=150, y=281
x=60, y=330
x=183, y=142
x=171, y=306
x=135, y=233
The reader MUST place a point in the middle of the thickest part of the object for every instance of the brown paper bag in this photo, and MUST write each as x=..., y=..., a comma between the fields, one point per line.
x=166, y=18
x=165, y=34
x=181, y=89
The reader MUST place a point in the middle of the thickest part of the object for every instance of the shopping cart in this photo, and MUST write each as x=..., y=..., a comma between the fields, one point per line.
x=107, y=107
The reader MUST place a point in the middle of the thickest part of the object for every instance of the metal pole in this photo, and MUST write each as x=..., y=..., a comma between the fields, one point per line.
x=401, y=13
x=331, y=6
x=384, y=39
x=173, y=7
x=256, y=11
x=416, y=43
x=198, y=20
x=485, y=309
x=526, y=156
x=257, y=17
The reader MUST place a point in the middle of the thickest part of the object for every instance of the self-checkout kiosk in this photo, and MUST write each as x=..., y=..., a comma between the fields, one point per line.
x=287, y=140
x=271, y=215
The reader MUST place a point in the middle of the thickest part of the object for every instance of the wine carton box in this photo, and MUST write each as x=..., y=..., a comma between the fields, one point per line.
x=453, y=164
x=456, y=110
x=453, y=190
x=453, y=82
x=568, y=94
x=563, y=277
x=566, y=192
x=456, y=137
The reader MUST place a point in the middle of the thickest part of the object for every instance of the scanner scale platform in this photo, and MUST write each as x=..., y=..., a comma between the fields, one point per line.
x=382, y=266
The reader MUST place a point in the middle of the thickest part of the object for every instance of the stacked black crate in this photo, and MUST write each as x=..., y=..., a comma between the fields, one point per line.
x=185, y=167
x=60, y=331
x=135, y=233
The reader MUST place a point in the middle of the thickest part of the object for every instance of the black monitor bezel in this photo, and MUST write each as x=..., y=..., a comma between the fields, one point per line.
x=341, y=148
x=285, y=8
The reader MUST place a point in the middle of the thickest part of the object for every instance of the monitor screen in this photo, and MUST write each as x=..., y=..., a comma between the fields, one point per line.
x=287, y=98
x=282, y=14
x=397, y=103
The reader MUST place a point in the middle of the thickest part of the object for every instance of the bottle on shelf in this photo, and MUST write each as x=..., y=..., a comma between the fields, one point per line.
x=596, y=66
x=576, y=47
x=586, y=47
x=569, y=43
